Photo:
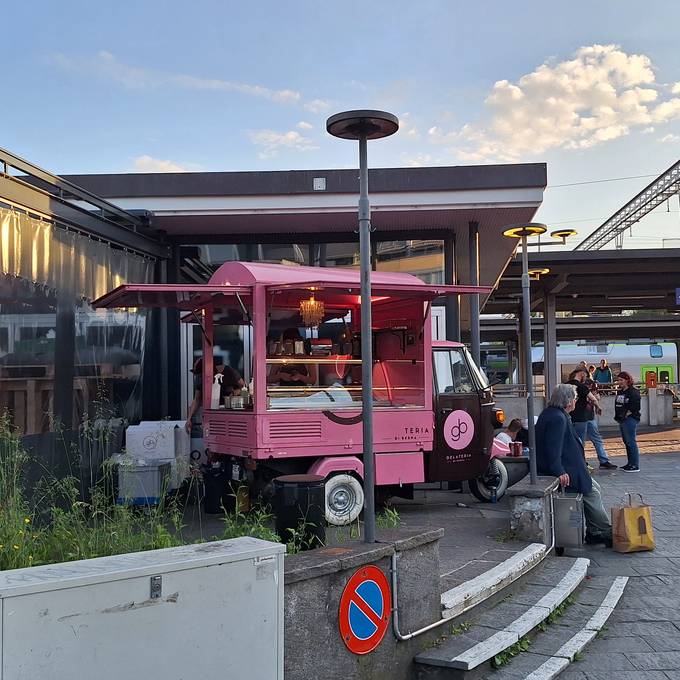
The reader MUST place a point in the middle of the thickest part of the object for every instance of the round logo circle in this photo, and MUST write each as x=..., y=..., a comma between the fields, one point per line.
x=459, y=430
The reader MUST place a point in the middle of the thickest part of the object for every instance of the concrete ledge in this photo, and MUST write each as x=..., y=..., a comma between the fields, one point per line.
x=314, y=582
x=322, y=561
x=465, y=596
x=543, y=487
x=531, y=509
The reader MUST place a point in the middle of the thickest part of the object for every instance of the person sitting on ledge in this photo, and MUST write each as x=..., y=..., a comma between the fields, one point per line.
x=559, y=453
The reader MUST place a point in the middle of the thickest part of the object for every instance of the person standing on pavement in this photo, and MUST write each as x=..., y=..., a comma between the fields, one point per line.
x=603, y=374
x=559, y=453
x=592, y=427
x=627, y=415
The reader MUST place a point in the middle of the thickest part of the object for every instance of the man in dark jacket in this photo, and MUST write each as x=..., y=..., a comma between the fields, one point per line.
x=559, y=453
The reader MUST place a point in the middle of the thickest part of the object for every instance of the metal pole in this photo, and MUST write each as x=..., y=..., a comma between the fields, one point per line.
x=526, y=332
x=366, y=344
x=475, y=339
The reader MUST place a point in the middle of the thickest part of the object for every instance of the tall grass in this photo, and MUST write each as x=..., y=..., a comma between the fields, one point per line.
x=57, y=526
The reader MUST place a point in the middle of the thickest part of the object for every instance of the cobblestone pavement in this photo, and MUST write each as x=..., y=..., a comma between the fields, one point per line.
x=642, y=638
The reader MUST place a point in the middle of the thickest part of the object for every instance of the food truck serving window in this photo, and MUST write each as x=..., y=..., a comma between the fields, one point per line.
x=326, y=372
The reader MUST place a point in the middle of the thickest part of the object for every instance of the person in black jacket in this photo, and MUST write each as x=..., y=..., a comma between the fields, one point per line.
x=627, y=415
x=559, y=453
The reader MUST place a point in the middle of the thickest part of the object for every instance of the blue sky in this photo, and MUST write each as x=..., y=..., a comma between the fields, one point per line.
x=592, y=88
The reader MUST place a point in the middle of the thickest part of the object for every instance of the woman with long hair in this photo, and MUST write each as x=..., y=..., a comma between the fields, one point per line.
x=627, y=415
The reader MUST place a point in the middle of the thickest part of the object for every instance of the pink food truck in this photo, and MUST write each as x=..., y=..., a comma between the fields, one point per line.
x=433, y=408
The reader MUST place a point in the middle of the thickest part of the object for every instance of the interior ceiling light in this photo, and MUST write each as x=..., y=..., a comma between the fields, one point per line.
x=311, y=311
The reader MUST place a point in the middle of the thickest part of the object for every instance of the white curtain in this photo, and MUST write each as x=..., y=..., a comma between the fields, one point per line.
x=38, y=251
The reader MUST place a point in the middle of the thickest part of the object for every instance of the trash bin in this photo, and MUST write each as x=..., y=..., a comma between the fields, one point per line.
x=300, y=506
x=219, y=495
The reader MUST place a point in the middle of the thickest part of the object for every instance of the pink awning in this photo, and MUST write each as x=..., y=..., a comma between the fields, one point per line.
x=186, y=297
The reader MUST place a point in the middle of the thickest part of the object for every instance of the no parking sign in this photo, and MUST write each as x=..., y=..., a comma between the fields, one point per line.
x=365, y=608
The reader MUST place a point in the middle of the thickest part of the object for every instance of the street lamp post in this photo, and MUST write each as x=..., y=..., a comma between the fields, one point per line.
x=364, y=125
x=523, y=231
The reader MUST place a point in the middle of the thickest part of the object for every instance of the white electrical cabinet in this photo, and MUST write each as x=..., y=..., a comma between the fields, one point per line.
x=197, y=612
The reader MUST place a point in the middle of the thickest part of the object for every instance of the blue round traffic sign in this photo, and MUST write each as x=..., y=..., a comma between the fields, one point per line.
x=365, y=608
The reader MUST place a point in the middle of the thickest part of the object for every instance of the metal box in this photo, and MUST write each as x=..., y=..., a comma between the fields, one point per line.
x=142, y=484
x=569, y=520
x=213, y=610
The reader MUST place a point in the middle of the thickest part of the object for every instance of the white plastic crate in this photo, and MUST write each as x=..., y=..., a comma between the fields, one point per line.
x=144, y=484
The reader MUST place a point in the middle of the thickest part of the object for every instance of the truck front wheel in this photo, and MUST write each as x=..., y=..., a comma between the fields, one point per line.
x=344, y=499
x=496, y=475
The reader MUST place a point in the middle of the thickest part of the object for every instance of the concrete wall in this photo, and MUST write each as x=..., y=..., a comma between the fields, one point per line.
x=314, y=582
x=661, y=410
x=516, y=407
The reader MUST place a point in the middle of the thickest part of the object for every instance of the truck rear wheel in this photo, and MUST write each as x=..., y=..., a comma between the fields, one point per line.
x=496, y=475
x=344, y=499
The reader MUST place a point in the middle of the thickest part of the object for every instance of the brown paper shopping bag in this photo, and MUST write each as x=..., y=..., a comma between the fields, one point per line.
x=632, y=526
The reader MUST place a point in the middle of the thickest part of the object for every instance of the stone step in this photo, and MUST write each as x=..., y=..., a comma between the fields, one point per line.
x=562, y=642
x=484, y=585
x=471, y=645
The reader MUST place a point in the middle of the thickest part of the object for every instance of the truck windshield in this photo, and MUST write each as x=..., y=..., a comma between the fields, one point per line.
x=478, y=373
x=452, y=372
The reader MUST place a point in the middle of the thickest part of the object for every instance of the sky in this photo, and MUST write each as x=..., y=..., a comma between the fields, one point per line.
x=591, y=88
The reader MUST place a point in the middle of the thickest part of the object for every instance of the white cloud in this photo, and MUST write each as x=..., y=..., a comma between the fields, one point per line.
x=148, y=164
x=106, y=65
x=318, y=105
x=304, y=125
x=407, y=128
x=272, y=142
x=601, y=94
x=670, y=139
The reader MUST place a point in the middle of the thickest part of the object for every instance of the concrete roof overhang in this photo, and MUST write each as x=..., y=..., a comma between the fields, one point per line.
x=599, y=282
x=282, y=206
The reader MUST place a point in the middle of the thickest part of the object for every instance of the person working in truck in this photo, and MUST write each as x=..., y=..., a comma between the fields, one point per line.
x=231, y=382
x=292, y=374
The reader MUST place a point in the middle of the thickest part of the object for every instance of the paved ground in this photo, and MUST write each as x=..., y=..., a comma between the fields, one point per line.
x=642, y=638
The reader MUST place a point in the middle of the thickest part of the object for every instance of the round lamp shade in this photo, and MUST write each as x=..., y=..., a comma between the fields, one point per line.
x=362, y=123
x=538, y=272
x=563, y=233
x=525, y=229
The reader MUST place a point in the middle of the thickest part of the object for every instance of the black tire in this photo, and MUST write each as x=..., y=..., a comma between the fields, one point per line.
x=479, y=487
x=559, y=551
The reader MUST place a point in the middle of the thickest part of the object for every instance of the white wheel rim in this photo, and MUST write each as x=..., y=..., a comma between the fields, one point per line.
x=344, y=499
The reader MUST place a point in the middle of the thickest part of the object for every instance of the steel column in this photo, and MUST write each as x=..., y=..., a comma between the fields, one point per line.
x=526, y=333
x=549, y=344
x=473, y=246
x=452, y=303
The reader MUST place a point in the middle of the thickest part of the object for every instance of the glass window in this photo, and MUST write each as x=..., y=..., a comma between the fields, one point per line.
x=480, y=375
x=656, y=351
x=453, y=375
